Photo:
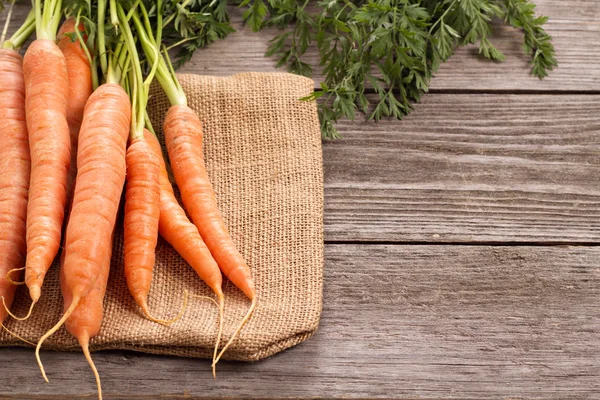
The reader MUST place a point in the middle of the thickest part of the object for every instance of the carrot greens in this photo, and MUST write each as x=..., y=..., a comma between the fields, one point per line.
x=389, y=47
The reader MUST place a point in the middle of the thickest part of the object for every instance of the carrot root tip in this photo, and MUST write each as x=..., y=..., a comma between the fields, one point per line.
x=237, y=331
x=13, y=315
x=35, y=292
x=86, y=352
x=66, y=315
x=15, y=335
x=219, y=334
x=10, y=280
x=184, y=306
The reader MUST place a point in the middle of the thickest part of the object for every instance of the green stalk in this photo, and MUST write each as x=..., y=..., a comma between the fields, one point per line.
x=164, y=76
x=7, y=22
x=159, y=22
x=91, y=60
x=101, y=38
x=147, y=24
x=141, y=87
x=47, y=18
x=114, y=18
x=38, y=18
x=55, y=18
x=133, y=9
x=149, y=123
x=22, y=34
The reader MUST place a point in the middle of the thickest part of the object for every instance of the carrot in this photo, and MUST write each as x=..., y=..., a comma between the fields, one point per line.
x=14, y=173
x=86, y=320
x=142, y=211
x=46, y=92
x=183, y=133
x=175, y=227
x=142, y=196
x=100, y=180
x=80, y=89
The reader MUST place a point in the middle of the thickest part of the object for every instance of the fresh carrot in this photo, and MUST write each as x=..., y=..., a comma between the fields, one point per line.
x=142, y=195
x=142, y=210
x=175, y=227
x=14, y=173
x=86, y=320
x=80, y=89
x=183, y=135
x=46, y=92
x=100, y=180
x=14, y=162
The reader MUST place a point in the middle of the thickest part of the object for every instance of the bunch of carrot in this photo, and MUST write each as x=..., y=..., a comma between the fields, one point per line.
x=75, y=134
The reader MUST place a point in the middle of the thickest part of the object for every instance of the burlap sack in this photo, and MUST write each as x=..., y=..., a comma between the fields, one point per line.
x=263, y=153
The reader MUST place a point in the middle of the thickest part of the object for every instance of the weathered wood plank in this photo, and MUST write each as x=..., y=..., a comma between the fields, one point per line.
x=574, y=25
x=452, y=322
x=469, y=168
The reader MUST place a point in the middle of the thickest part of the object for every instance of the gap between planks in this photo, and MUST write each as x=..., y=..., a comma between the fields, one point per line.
x=551, y=243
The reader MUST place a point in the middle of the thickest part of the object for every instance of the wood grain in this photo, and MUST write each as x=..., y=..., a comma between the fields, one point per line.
x=469, y=168
x=451, y=322
x=574, y=26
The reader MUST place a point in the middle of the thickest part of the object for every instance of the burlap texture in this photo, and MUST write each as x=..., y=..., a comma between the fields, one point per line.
x=263, y=153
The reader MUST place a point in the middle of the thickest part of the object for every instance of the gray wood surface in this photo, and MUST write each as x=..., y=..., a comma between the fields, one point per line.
x=469, y=168
x=452, y=322
x=431, y=313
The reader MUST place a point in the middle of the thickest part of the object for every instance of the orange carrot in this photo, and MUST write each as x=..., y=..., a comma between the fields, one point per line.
x=175, y=227
x=14, y=173
x=142, y=211
x=46, y=89
x=183, y=133
x=100, y=180
x=80, y=89
x=86, y=320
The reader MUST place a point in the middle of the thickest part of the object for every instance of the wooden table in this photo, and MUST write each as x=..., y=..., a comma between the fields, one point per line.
x=462, y=256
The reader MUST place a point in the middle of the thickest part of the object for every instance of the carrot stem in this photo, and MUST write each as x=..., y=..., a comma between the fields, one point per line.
x=163, y=73
x=101, y=40
x=74, y=303
x=7, y=22
x=141, y=86
x=91, y=60
x=47, y=18
x=22, y=34
x=114, y=18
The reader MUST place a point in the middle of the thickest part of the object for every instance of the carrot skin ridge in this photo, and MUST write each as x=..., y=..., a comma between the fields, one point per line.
x=14, y=173
x=46, y=85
